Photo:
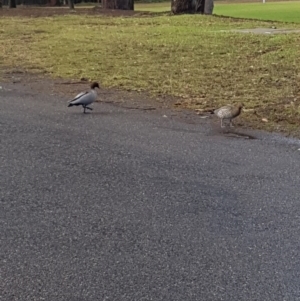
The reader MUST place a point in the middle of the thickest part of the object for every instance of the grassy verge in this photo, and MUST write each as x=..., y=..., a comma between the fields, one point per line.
x=185, y=56
x=279, y=11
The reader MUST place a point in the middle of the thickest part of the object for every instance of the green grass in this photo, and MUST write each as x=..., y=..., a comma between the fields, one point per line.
x=288, y=11
x=186, y=56
x=153, y=7
x=276, y=11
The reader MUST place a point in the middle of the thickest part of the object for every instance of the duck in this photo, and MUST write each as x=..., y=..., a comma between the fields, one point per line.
x=229, y=112
x=85, y=98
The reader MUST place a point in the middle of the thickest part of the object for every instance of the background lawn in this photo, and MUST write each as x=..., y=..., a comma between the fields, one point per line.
x=279, y=11
x=288, y=11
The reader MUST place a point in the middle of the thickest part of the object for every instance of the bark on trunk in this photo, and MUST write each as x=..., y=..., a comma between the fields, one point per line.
x=192, y=6
x=71, y=4
x=209, y=7
x=12, y=4
x=118, y=4
x=54, y=2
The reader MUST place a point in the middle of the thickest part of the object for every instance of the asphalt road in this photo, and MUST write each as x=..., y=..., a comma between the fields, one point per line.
x=129, y=205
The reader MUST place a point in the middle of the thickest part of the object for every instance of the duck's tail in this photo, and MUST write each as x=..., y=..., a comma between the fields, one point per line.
x=70, y=105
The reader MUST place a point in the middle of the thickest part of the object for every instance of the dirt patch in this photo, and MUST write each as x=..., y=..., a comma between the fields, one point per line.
x=267, y=30
x=36, y=12
x=133, y=100
x=166, y=106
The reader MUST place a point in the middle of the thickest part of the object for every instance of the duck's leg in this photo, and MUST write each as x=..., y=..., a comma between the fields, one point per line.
x=231, y=124
x=84, y=107
x=89, y=108
x=222, y=125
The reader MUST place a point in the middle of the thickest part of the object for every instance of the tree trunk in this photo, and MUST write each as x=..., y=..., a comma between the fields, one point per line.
x=209, y=7
x=12, y=4
x=71, y=4
x=118, y=4
x=0, y=3
x=192, y=6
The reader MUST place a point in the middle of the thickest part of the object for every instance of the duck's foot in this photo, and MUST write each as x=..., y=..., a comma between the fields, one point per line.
x=85, y=107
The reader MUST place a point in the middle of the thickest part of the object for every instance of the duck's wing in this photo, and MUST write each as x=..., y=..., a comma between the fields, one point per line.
x=77, y=97
x=224, y=112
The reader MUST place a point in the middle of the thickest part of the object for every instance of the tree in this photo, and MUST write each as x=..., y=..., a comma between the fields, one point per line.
x=0, y=3
x=192, y=6
x=12, y=4
x=71, y=4
x=208, y=7
x=118, y=4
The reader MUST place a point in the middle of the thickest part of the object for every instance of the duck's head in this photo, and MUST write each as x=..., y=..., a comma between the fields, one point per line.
x=240, y=106
x=95, y=85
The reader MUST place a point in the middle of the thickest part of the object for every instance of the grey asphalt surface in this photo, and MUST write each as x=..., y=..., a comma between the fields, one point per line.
x=128, y=205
